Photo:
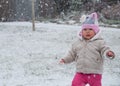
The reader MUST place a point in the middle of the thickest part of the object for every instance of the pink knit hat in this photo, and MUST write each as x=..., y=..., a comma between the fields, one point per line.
x=91, y=22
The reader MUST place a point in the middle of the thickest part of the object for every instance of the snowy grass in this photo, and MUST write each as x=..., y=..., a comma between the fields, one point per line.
x=30, y=58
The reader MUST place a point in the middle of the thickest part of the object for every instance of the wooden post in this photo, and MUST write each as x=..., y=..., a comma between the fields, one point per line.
x=33, y=16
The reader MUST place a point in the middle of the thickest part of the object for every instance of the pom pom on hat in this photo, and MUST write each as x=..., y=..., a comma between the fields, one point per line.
x=83, y=18
x=91, y=21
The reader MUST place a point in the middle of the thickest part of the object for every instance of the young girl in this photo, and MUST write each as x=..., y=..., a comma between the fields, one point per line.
x=88, y=52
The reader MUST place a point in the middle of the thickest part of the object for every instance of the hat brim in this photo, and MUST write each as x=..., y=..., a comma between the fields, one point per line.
x=92, y=26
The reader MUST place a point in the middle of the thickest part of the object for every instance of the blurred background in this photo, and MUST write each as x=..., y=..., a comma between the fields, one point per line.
x=64, y=10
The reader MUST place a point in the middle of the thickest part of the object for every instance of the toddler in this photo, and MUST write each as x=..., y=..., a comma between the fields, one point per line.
x=88, y=52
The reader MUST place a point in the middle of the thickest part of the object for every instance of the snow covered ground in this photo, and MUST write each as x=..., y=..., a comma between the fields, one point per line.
x=30, y=58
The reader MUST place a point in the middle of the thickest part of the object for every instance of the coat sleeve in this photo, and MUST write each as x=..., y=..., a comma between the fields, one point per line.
x=70, y=57
x=104, y=48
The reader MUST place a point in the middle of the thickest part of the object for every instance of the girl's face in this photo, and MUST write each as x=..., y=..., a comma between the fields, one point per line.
x=88, y=33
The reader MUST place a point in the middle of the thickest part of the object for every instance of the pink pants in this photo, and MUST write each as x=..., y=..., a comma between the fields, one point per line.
x=81, y=79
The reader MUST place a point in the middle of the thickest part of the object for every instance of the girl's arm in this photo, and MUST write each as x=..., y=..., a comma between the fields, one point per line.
x=70, y=57
x=105, y=50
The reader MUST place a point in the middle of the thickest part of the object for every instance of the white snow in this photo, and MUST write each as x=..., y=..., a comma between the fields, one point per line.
x=30, y=58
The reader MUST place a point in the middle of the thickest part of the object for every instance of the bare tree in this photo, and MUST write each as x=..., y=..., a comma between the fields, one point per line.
x=46, y=8
x=4, y=10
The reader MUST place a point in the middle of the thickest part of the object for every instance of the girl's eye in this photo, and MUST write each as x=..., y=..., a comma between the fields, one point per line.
x=90, y=29
x=85, y=29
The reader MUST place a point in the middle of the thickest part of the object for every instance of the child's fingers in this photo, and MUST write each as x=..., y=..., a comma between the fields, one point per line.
x=61, y=61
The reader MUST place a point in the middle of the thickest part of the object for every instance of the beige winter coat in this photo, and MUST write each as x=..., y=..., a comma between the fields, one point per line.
x=88, y=55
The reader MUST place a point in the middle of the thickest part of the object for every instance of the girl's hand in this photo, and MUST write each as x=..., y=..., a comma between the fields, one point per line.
x=62, y=61
x=110, y=54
